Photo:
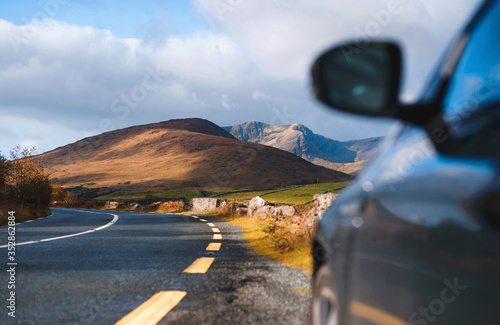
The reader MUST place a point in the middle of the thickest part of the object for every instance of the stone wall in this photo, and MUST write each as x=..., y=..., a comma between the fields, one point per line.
x=205, y=204
x=258, y=207
x=322, y=203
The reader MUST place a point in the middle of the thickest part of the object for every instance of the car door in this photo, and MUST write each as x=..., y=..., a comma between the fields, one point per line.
x=428, y=248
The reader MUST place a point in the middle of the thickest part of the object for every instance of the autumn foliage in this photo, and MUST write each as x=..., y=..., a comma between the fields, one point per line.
x=24, y=187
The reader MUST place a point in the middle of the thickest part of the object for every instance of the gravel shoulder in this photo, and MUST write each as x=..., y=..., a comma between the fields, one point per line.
x=243, y=287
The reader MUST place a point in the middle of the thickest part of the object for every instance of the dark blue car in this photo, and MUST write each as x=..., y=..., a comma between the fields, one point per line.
x=415, y=238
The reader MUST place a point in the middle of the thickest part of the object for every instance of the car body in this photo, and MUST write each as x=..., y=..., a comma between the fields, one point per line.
x=415, y=238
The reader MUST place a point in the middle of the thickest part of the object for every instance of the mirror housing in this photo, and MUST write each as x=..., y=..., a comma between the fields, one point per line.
x=360, y=78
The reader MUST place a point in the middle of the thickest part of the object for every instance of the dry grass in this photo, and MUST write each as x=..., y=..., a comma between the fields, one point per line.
x=288, y=241
x=143, y=157
x=22, y=214
x=348, y=168
x=171, y=206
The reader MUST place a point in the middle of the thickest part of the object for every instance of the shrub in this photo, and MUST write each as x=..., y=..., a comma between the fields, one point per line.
x=171, y=206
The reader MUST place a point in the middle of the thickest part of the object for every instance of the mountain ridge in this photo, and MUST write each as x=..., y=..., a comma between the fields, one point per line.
x=175, y=151
x=301, y=141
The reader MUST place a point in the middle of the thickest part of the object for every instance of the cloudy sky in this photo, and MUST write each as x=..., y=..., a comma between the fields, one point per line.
x=70, y=69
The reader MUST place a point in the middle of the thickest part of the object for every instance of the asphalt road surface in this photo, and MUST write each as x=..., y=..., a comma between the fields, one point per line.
x=107, y=267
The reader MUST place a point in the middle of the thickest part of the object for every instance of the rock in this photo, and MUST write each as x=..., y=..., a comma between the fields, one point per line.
x=134, y=206
x=112, y=204
x=258, y=207
x=262, y=211
x=284, y=210
x=322, y=203
x=205, y=204
x=255, y=204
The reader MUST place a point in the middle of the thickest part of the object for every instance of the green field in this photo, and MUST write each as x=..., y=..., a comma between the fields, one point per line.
x=187, y=193
x=299, y=194
x=303, y=194
x=289, y=195
x=129, y=195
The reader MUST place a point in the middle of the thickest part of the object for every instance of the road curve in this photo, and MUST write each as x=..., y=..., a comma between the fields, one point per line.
x=112, y=267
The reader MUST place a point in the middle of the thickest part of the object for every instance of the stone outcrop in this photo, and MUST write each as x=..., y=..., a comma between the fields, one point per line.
x=112, y=204
x=255, y=204
x=134, y=206
x=258, y=207
x=284, y=211
x=206, y=204
x=322, y=203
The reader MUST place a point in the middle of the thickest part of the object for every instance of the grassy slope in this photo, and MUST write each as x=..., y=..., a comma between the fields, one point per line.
x=144, y=157
x=299, y=194
x=294, y=195
x=302, y=194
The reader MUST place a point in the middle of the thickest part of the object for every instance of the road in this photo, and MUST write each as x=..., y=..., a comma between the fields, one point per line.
x=107, y=267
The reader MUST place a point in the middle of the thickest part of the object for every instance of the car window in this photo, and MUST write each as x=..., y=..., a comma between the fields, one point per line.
x=475, y=83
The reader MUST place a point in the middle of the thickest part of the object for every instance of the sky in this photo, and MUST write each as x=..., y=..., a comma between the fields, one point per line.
x=72, y=69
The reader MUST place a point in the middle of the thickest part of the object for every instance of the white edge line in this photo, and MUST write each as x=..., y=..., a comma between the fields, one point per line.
x=115, y=218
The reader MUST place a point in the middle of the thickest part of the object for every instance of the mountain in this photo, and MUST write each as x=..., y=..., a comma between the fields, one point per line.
x=347, y=156
x=364, y=148
x=185, y=151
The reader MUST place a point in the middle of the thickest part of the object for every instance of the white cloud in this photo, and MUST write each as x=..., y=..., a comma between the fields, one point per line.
x=283, y=37
x=227, y=103
x=260, y=95
x=28, y=132
x=252, y=65
x=177, y=90
x=202, y=58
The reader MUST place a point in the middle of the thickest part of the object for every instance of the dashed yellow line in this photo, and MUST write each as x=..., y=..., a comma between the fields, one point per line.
x=196, y=217
x=203, y=220
x=153, y=309
x=374, y=315
x=213, y=247
x=211, y=224
x=201, y=265
x=217, y=236
x=215, y=230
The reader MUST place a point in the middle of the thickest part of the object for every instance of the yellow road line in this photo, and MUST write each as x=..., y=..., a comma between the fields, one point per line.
x=195, y=217
x=211, y=224
x=215, y=230
x=153, y=309
x=201, y=265
x=374, y=315
x=213, y=246
x=217, y=236
x=203, y=220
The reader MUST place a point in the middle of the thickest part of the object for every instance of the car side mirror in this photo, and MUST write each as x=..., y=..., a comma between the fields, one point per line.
x=360, y=78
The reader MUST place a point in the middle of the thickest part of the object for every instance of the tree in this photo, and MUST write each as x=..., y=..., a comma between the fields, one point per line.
x=4, y=173
x=26, y=182
x=58, y=193
x=69, y=197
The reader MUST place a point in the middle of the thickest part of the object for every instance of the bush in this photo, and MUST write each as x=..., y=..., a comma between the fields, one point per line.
x=24, y=187
x=171, y=206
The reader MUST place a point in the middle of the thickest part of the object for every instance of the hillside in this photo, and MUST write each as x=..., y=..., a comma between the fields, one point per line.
x=187, y=151
x=346, y=156
x=364, y=148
